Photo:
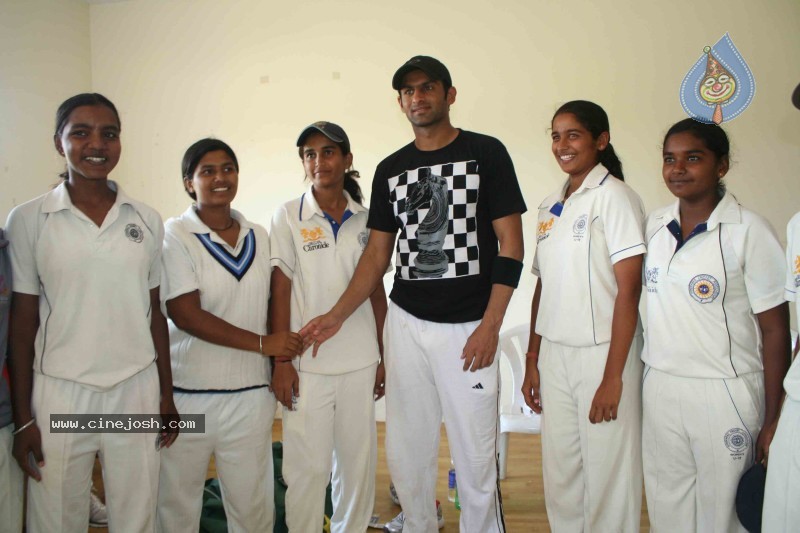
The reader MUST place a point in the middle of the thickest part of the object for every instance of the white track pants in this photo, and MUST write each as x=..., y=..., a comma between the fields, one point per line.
x=331, y=429
x=782, y=495
x=698, y=438
x=592, y=472
x=238, y=434
x=10, y=485
x=130, y=461
x=425, y=379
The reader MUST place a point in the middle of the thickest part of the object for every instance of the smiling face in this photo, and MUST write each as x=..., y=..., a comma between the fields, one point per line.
x=214, y=181
x=716, y=89
x=691, y=171
x=324, y=162
x=574, y=148
x=90, y=142
x=425, y=102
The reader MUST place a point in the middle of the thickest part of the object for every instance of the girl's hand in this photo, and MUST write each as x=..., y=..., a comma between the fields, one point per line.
x=530, y=385
x=606, y=401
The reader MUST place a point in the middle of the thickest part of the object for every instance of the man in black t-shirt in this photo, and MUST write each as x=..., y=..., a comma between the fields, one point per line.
x=453, y=197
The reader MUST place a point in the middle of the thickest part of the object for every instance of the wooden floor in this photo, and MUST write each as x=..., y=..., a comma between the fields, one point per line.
x=523, y=497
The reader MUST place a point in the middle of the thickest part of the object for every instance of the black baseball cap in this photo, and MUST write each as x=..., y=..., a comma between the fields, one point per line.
x=750, y=497
x=429, y=65
x=330, y=130
x=796, y=97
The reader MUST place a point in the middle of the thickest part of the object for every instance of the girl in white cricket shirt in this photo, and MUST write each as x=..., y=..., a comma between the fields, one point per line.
x=716, y=338
x=216, y=292
x=89, y=336
x=583, y=370
x=329, y=413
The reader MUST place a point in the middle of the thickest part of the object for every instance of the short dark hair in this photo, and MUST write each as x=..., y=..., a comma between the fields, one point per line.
x=79, y=100
x=196, y=152
x=595, y=120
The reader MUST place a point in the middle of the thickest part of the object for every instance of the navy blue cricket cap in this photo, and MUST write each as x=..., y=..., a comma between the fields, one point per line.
x=750, y=497
x=330, y=130
x=434, y=68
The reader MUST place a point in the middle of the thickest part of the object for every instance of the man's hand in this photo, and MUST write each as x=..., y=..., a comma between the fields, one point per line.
x=481, y=347
x=319, y=330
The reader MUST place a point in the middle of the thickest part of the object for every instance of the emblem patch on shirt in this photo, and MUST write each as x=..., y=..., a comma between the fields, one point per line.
x=704, y=288
x=651, y=278
x=363, y=237
x=797, y=271
x=313, y=239
x=134, y=232
x=579, y=227
x=737, y=441
x=543, y=229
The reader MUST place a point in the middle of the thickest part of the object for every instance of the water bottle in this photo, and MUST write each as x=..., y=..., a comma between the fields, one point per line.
x=451, y=485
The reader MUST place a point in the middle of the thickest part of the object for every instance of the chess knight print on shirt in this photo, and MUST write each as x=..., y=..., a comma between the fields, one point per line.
x=436, y=207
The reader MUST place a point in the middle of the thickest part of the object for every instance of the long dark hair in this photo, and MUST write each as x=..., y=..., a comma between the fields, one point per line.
x=196, y=152
x=71, y=104
x=595, y=120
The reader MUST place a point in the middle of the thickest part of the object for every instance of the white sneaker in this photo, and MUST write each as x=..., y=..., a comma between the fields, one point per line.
x=98, y=515
x=396, y=525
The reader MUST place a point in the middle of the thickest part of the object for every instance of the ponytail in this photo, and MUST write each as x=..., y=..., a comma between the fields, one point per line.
x=610, y=160
x=352, y=187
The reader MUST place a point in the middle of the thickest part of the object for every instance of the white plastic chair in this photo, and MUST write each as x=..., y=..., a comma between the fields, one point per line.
x=515, y=416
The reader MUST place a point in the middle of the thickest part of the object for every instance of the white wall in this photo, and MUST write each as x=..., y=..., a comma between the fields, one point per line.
x=45, y=59
x=254, y=73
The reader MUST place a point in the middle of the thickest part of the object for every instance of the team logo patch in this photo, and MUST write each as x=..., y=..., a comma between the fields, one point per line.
x=134, y=232
x=543, y=229
x=363, y=237
x=704, y=288
x=579, y=227
x=737, y=441
x=313, y=239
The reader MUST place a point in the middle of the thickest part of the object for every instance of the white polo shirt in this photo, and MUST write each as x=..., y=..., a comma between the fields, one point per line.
x=702, y=299
x=577, y=244
x=792, y=381
x=320, y=267
x=93, y=285
x=234, y=285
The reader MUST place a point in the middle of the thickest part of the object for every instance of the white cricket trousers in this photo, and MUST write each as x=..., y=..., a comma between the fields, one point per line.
x=129, y=460
x=592, y=472
x=424, y=380
x=331, y=429
x=10, y=485
x=238, y=433
x=782, y=494
x=698, y=438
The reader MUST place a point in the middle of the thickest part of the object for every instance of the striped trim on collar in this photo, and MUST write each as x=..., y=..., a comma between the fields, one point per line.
x=237, y=265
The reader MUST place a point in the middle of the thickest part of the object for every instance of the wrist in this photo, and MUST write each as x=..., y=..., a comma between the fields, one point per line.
x=283, y=359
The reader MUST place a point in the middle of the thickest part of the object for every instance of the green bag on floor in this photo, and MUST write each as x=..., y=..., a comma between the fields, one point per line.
x=212, y=517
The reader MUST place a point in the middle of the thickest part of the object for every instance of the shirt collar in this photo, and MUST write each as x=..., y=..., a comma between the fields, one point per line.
x=595, y=178
x=309, y=206
x=193, y=223
x=58, y=199
x=728, y=211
